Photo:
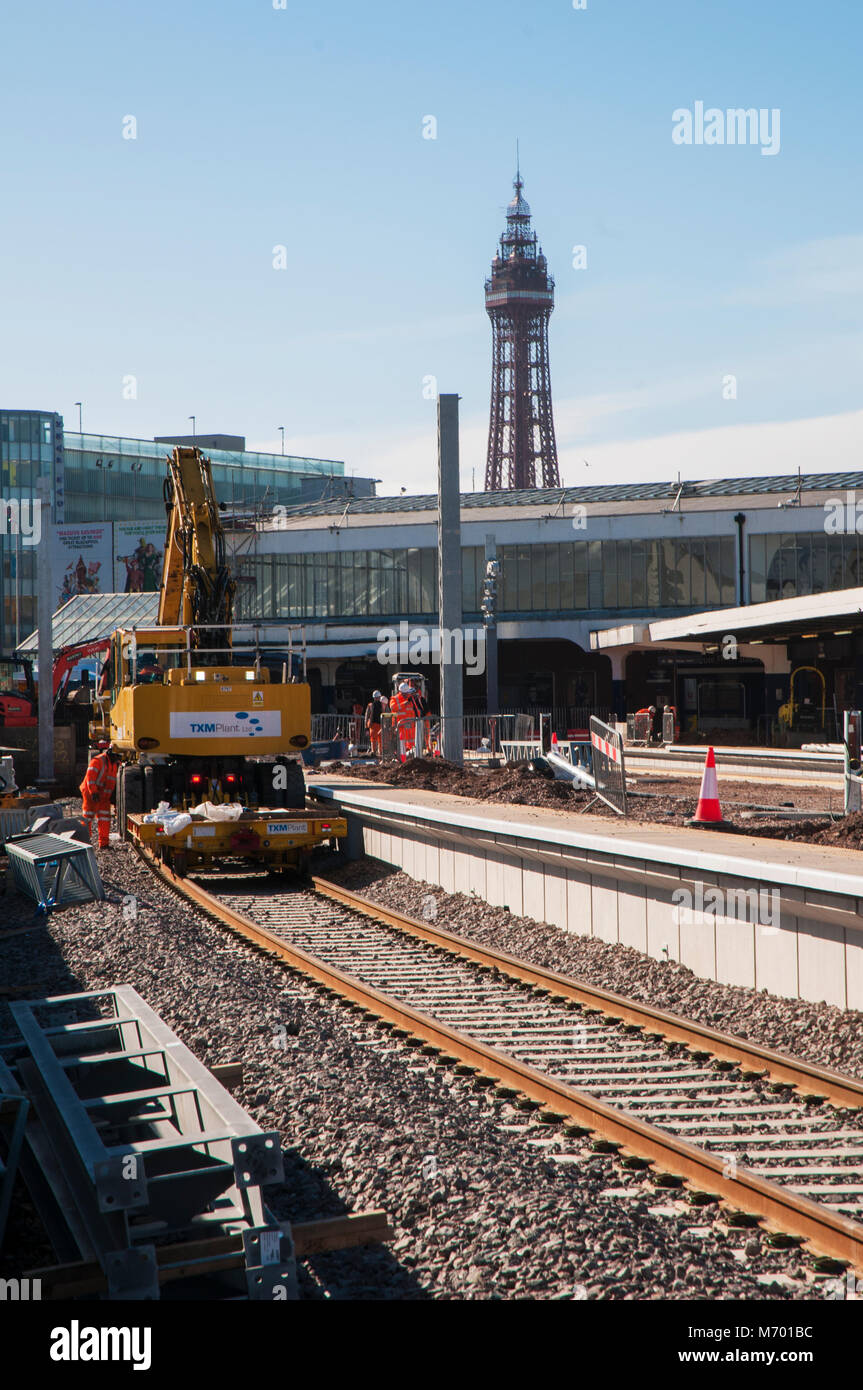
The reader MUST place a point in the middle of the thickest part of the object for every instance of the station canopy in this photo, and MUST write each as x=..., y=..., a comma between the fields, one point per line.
x=778, y=621
x=90, y=617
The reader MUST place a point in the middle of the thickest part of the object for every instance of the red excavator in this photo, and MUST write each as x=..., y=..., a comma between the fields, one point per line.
x=19, y=698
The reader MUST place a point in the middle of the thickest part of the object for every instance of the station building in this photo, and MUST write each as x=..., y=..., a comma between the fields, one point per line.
x=102, y=478
x=577, y=562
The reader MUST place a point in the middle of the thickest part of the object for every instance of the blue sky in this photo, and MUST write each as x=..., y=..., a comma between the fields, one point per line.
x=258, y=127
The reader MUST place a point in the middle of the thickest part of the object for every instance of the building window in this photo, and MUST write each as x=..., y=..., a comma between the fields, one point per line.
x=790, y=566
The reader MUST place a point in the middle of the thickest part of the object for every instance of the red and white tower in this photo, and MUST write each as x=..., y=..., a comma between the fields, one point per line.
x=519, y=298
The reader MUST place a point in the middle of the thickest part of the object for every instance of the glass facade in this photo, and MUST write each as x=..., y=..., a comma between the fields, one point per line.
x=558, y=578
x=116, y=479
x=31, y=447
x=105, y=478
x=567, y=576
x=787, y=565
x=109, y=478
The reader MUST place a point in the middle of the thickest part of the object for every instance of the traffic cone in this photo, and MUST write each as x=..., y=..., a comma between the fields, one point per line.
x=708, y=812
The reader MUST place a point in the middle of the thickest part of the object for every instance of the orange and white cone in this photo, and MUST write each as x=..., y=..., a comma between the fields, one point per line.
x=708, y=812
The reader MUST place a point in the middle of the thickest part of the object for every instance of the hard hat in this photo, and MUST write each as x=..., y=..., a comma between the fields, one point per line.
x=404, y=688
x=376, y=695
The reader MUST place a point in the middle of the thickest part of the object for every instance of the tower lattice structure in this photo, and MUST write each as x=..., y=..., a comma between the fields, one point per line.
x=519, y=298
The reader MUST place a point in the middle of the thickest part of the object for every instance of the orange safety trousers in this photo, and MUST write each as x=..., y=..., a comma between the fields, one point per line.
x=96, y=789
x=100, y=811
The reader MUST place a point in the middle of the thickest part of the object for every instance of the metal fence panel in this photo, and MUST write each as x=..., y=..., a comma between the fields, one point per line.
x=329, y=728
x=608, y=769
x=482, y=736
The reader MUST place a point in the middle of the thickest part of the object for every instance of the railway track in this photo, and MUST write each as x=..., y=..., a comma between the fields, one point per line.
x=770, y=1135
x=752, y=765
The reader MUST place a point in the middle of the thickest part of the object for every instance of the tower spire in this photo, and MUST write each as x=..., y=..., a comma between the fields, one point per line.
x=519, y=298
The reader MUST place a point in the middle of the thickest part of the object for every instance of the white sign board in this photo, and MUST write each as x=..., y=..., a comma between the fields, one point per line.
x=219, y=724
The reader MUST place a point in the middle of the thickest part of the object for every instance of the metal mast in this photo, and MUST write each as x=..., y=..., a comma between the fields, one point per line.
x=519, y=298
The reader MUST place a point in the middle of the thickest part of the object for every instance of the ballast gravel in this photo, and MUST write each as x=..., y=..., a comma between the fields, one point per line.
x=486, y=1202
x=819, y=1033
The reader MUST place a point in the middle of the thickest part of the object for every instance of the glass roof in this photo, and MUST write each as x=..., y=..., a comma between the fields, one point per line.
x=786, y=484
x=89, y=617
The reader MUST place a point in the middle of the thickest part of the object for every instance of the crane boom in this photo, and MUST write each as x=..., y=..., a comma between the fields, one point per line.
x=197, y=586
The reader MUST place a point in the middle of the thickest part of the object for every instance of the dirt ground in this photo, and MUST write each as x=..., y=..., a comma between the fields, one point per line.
x=653, y=799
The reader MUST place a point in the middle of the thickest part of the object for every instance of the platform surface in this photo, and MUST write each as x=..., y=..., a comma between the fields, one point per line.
x=817, y=866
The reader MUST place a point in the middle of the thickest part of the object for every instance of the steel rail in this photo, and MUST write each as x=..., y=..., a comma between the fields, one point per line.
x=613, y=867
x=828, y=1232
x=809, y=1078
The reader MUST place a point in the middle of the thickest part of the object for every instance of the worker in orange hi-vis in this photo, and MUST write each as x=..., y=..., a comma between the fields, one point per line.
x=419, y=708
x=97, y=788
x=404, y=717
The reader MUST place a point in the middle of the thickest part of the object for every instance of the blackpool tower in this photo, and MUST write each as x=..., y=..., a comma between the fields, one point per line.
x=519, y=298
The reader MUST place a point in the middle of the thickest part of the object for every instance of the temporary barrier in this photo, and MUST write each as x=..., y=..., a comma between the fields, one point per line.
x=563, y=717
x=641, y=726
x=328, y=728
x=483, y=736
x=567, y=769
x=609, y=773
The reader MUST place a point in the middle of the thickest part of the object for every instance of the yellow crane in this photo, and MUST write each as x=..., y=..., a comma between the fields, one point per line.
x=203, y=729
x=197, y=586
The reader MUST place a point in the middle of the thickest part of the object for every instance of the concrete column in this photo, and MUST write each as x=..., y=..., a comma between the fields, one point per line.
x=449, y=577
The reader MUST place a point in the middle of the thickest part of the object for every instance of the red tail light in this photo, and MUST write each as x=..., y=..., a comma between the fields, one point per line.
x=230, y=776
x=325, y=828
x=195, y=778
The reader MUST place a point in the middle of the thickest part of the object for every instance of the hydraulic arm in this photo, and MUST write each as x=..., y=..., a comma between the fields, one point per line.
x=197, y=587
